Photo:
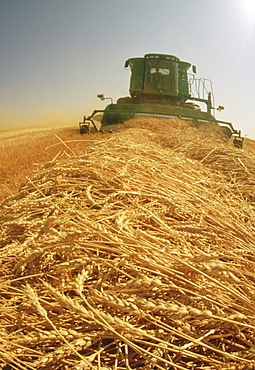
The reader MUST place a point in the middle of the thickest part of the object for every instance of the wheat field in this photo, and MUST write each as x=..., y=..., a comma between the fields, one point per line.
x=131, y=250
x=24, y=151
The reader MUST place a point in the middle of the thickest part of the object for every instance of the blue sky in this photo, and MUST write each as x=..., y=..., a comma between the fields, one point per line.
x=57, y=55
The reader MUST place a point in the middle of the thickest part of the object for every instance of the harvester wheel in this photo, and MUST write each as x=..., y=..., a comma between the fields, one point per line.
x=226, y=131
x=84, y=129
x=238, y=142
x=191, y=105
x=125, y=100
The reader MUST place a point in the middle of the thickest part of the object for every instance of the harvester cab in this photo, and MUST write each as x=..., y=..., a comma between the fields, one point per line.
x=162, y=87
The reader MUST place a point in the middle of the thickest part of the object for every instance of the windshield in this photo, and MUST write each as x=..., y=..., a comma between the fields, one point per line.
x=160, y=75
x=163, y=71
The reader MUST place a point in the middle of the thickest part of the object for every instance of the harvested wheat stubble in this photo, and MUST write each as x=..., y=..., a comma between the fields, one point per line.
x=129, y=256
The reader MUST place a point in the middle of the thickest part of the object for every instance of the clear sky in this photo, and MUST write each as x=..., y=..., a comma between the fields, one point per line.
x=57, y=55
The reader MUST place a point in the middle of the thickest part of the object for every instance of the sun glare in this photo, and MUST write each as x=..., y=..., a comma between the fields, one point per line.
x=248, y=7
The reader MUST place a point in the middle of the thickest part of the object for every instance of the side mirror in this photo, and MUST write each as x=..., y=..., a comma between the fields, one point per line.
x=194, y=69
x=102, y=97
x=126, y=63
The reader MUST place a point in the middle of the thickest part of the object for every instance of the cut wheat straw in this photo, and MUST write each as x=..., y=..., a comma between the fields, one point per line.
x=139, y=253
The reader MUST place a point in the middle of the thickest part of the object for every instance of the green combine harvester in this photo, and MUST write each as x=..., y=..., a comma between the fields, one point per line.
x=161, y=87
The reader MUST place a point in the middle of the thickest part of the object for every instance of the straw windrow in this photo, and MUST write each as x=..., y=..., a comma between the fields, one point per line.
x=138, y=253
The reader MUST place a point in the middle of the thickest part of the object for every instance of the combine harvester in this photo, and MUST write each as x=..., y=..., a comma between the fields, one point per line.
x=161, y=87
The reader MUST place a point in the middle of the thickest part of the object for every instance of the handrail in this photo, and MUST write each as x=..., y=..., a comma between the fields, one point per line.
x=202, y=90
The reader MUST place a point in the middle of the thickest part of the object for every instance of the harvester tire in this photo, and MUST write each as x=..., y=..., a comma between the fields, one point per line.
x=238, y=142
x=125, y=100
x=226, y=131
x=191, y=105
x=84, y=129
